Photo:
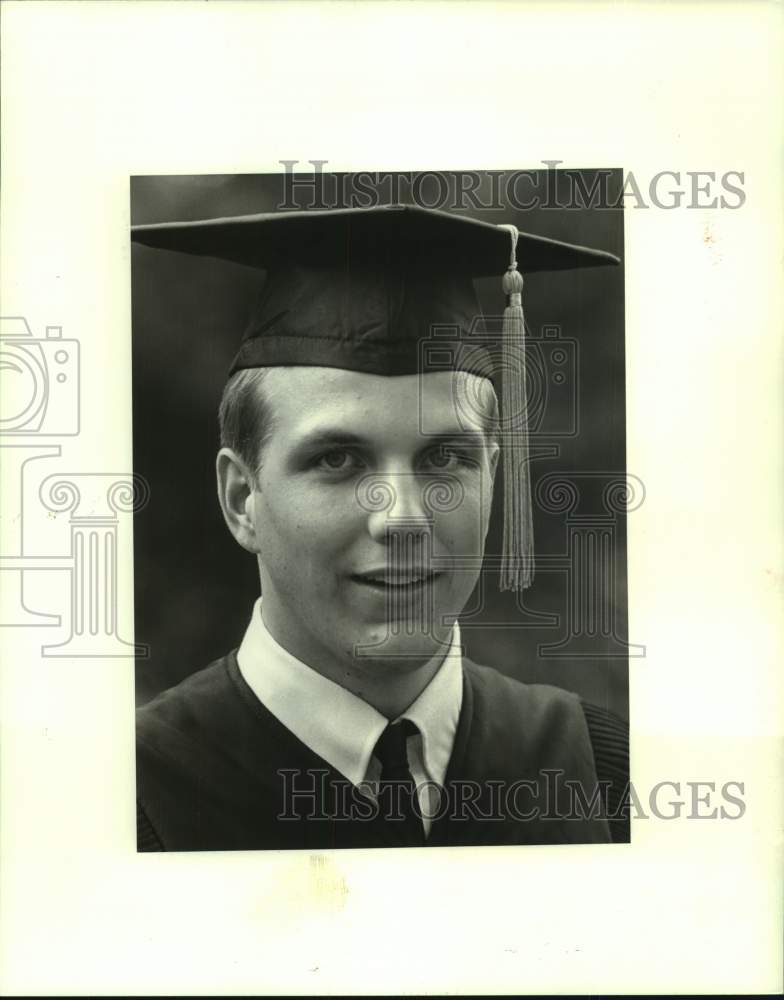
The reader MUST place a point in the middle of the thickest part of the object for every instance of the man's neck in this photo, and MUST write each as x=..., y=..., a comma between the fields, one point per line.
x=383, y=683
x=388, y=691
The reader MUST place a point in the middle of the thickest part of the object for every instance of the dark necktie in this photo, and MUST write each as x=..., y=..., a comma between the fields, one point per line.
x=397, y=796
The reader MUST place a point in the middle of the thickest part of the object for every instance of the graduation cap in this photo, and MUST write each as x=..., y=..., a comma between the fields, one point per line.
x=361, y=289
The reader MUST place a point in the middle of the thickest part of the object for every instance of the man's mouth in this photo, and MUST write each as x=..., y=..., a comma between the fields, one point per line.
x=397, y=581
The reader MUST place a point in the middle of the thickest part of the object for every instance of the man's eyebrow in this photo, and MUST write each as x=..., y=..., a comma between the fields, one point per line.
x=471, y=435
x=340, y=436
x=329, y=435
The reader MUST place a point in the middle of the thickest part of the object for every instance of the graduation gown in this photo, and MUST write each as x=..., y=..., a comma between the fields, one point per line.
x=531, y=764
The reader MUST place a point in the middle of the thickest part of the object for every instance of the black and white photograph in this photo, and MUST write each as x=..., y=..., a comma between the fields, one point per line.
x=387, y=514
x=391, y=457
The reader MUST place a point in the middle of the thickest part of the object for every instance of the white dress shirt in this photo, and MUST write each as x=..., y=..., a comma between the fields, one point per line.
x=342, y=728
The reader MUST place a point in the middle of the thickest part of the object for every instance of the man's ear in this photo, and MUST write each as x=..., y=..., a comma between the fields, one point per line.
x=495, y=454
x=235, y=495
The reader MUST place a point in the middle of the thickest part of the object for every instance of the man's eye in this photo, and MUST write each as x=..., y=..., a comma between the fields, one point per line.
x=337, y=460
x=446, y=459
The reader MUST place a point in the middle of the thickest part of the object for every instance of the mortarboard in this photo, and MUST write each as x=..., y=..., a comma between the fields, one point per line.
x=363, y=289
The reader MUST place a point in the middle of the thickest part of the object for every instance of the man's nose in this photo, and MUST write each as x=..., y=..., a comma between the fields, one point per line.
x=394, y=504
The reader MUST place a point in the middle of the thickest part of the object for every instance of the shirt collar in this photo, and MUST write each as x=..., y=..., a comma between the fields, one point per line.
x=437, y=709
x=337, y=725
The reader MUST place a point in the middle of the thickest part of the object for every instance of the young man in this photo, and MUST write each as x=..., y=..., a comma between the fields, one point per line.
x=361, y=437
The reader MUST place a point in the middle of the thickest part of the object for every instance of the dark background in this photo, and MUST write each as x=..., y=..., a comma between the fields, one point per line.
x=194, y=586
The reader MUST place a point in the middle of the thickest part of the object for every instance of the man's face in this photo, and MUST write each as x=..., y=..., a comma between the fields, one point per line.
x=370, y=514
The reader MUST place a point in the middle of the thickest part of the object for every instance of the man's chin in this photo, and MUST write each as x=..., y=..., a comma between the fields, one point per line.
x=398, y=653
